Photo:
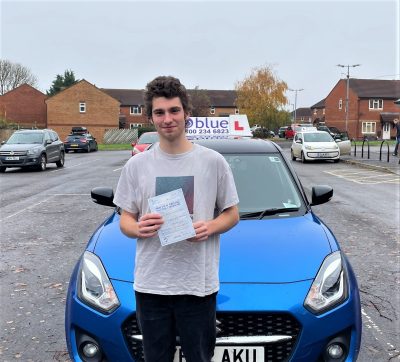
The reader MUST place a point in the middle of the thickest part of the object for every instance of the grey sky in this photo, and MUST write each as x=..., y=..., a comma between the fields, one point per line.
x=204, y=43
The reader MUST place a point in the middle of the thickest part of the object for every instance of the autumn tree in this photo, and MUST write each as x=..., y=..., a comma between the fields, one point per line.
x=12, y=75
x=262, y=97
x=61, y=82
x=200, y=102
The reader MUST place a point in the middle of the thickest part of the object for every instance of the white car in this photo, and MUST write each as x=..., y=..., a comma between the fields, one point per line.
x=315, y=145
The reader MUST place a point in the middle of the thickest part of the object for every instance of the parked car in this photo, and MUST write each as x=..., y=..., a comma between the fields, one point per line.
x=281, y=132
x=144, y=141
x=80, y=140
x=293, y=129
x=314, y=145
x=32, y=148
x=287, y=292
x=333, y=131
x=262, y=132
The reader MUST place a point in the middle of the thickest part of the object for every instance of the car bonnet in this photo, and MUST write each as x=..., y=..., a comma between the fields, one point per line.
x=254, y=251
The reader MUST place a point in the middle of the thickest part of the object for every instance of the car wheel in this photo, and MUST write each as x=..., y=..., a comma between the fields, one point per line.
x=303, y=159
x=292, y=155
x=2, y=169
x=42, y=163
x=96, y=148
x=88, y=149
x=60, y=162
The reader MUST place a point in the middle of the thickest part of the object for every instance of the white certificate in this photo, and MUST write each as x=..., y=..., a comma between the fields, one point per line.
x=177, y=224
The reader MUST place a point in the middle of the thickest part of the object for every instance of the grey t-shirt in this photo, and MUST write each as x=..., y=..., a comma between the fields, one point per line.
x=208, y=185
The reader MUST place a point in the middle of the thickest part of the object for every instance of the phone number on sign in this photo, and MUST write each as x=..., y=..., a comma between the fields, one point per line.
x=207, y=131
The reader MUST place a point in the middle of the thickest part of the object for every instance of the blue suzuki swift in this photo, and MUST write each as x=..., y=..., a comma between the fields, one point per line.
x=288, y=293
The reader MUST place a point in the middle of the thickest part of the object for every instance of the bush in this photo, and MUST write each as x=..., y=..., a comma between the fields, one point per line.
x=7, y=125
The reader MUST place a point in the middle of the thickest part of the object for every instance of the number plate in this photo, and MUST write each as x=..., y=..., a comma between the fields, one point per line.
x=12, y=158
x=323, y=154
x=74, y=145
x=231, y=354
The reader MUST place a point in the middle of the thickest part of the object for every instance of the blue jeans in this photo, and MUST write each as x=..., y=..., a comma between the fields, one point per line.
x=162, y=317
x=397, y=145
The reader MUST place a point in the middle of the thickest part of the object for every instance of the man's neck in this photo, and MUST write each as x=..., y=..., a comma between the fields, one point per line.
x=176, y=147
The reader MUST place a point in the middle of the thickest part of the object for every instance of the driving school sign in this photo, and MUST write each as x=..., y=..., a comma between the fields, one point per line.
x=218, y=127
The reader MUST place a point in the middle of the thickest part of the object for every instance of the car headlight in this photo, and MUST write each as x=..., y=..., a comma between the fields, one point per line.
x=94, y=286
x=33, y=151
x=329, y=287
x=135, y=150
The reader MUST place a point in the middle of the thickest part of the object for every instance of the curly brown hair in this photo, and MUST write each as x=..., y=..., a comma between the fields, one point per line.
x=168, y=87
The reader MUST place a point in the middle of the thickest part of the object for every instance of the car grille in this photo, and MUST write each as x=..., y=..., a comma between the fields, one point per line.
x=12, y=153
x=238, y=324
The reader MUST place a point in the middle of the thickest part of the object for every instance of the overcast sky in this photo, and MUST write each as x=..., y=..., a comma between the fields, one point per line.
x=208, y=44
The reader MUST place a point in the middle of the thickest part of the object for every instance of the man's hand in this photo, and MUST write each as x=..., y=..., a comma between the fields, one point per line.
x=202, y=231
x=149, y=224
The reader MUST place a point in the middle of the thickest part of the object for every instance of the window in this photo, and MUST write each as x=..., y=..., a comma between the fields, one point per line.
x=236, y=111
x=212, y=110
x=82, y=107
x=136, y=110
x=135, y=125
x=340, y=103
x=323, y=111
x=315, y=111
x=376, y=104
x=368, y=127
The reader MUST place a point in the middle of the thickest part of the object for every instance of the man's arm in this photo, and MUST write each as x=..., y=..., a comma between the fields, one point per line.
x=222, y=223
x=146, y=227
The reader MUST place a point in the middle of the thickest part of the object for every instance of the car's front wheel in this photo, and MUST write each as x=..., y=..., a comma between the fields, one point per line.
x=42, y=163
x=292, y=155
x=88, y=149
x=303, y=158
x=60, y=162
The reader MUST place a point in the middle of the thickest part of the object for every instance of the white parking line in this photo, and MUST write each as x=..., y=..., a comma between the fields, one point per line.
x=366, y=177
x=26, y=208
x=117, y=169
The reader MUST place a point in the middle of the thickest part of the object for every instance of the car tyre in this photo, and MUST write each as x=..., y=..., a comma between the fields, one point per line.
x=88, y=149
x=303, y=158
x=42, y=163
x=96, y=148
x=60, y=162
x=2, y=169
x=292, y=155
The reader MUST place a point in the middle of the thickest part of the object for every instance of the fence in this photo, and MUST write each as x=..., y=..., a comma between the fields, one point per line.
x=115, y=136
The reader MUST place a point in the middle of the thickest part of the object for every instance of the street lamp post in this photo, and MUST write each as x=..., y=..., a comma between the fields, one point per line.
x=347, y=87
x=295, y=101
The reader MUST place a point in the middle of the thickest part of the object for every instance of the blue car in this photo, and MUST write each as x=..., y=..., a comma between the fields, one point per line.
x=287, y=293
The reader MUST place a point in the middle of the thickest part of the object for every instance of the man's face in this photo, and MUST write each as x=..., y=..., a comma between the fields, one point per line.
x=169, y=118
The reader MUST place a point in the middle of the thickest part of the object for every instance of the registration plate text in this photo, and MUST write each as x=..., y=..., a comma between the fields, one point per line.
x=12, y=158
x=231, y=354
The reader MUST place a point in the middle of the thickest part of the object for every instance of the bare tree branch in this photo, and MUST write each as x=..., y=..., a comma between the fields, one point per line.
x=12, y=75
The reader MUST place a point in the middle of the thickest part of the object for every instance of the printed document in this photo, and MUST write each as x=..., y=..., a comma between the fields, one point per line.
x=178, y=224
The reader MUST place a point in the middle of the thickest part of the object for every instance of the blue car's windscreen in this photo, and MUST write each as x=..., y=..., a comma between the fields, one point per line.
x=263, y=182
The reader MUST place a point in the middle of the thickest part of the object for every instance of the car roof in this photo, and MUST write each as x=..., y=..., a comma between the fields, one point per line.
x=312, y=131
x=241, y=145
x=33, y=130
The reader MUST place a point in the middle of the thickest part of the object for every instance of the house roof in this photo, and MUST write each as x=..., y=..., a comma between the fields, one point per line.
x=303, y=112
x=131, y=97
x=389, y=116
x=367, y=88
x=21, y=87
x=320, y=104
x=127, y=97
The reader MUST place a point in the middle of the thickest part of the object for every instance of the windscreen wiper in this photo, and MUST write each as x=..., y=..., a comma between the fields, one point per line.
x=271, y=211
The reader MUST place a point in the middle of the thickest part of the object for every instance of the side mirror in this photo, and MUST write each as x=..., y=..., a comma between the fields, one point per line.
x=103, y=196
x=299, y=141
x=321, y=194
x=133, y=144
x=3, y=142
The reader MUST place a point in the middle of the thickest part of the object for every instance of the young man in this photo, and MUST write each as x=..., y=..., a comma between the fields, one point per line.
x=176, y=284
x=396, y=125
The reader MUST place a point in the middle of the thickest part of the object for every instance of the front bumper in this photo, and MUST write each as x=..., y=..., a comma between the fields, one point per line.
x=322, y=155
x=314, y=333
x=22, y=161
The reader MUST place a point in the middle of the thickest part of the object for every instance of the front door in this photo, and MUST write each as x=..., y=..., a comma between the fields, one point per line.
x=386, y=131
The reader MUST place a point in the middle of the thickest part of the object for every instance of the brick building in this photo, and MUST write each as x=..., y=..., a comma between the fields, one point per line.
x=25, y=106
x=303, y=115
x=82, y=104
x=371, y=107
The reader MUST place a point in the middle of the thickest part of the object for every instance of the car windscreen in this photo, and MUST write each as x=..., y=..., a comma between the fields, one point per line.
x=148, y=138
x=263, y=182
x=317, y=137
x=74, y=137
x=25, y=138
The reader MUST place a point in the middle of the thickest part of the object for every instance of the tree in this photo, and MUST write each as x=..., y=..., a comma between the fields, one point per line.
x=12, y=75
x=61, y=82
x=200, y=102
x=262, y=96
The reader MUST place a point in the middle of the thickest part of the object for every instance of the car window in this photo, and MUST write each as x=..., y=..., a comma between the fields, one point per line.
x=54, y=136
x=318, y=137
x=263, y=182
x=25, y=138
x=148, y=138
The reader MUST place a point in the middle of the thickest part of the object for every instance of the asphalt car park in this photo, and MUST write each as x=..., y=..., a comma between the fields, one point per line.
x=47, y=218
